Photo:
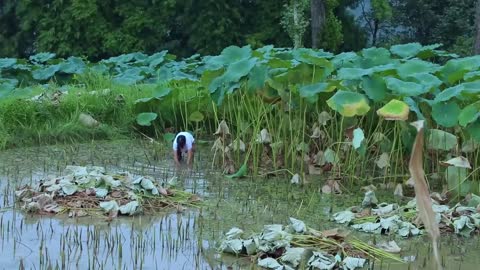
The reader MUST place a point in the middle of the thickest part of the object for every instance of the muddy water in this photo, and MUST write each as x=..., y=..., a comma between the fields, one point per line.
x=171, y=240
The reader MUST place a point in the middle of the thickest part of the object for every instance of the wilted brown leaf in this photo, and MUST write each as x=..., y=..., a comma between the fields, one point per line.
x=422, y=194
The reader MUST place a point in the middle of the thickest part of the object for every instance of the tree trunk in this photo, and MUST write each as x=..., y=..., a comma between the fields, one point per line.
x=476, y=49
x=375, y=32
x=317, y=8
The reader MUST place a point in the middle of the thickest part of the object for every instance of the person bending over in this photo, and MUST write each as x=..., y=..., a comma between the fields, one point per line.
x=183, y=143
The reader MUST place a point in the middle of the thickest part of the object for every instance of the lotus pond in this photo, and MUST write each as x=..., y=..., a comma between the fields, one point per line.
x=180, y=238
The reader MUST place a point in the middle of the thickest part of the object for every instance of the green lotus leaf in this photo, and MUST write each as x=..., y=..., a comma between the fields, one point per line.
x=441, y=140
x=257, y=78
x=349, y=103
x=394, y=110
x=234, y=54
x=196, y=117
x=454, y=70
x=474, y=131
x=414, y=107
x=428, y=80
x=469, y=114
x=403, y=88
x=169, y=137
x=406, y=50
x=41, y=57
x=161, y=91
x=353, y=73
x=344, y=59
x=416, y=66
x=313, y=57
x=472, y=76
x=73, y=65
x=446, y=113
x=374, y=86
x=145, y=119
x=458, y=91
x=7, y=62
x=43, y=74
x=375, y=57
x=233, y=74
x=310, y=92
x=456, y=180
x=156, y=59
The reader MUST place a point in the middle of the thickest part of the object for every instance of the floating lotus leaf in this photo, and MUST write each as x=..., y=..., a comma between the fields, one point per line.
x=145, y=119
x=349, y=103
x=446, y=113
x=374, y=87
x=394, y=110
x=441, y=140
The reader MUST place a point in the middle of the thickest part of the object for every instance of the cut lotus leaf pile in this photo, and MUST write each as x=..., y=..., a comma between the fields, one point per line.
x=83, y=191
x=297, y=246
x=391, y=218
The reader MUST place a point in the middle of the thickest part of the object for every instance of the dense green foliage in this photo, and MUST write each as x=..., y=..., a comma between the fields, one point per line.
x=366, y=98
x=101, y=29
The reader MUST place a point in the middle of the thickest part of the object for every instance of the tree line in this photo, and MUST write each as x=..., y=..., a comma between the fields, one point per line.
x=98, y=29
